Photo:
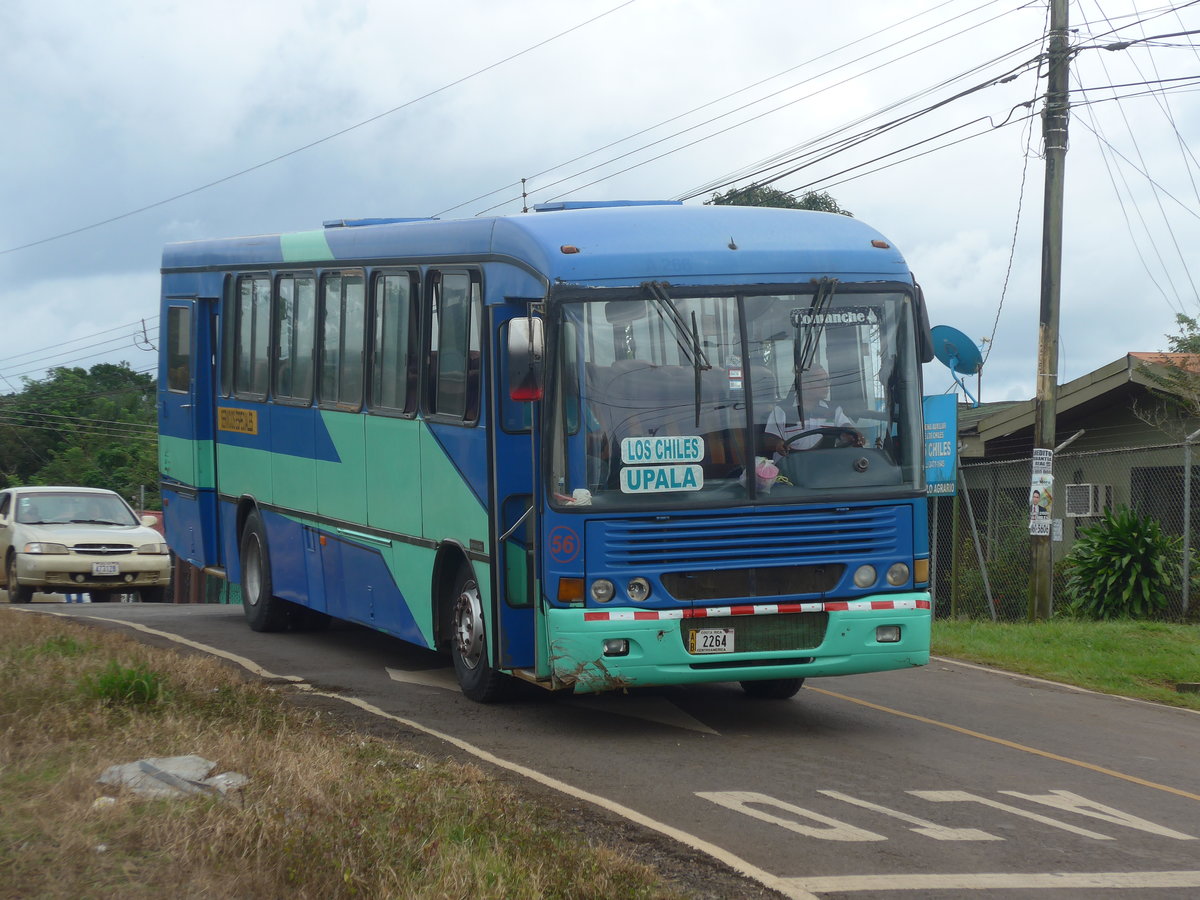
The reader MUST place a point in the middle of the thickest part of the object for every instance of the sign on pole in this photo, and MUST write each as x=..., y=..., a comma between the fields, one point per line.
x=941, y=444
x=1041, y=492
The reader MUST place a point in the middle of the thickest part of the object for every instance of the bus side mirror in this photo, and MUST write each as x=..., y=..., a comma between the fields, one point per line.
x=526, y=355
x=924, y=337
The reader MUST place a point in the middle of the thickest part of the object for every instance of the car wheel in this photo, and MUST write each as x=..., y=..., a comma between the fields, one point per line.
x=773, y=688
x=264, y=611
x=152, y=594
x=16, y=593
x=469, y=643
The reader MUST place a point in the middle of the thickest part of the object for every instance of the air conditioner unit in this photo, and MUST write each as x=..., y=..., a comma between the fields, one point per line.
x=1088, y=500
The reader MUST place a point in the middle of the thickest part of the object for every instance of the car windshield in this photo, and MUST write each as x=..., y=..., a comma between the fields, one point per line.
x=61, y=507
x=662, y=399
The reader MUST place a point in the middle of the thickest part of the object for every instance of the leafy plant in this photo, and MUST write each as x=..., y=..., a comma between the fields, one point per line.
x=125, y=685
x=1121, y=567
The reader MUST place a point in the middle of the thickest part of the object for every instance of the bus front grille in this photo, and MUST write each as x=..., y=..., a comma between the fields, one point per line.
x=764, y=634
x=766, y=537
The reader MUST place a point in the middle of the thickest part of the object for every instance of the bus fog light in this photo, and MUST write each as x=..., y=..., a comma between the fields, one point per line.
x=897, y=575
x=638, y=589
x=616, y=646
x=602, y=590
x=864, y=576
x=887, y=634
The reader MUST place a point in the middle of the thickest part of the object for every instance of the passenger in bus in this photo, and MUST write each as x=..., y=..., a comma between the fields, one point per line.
x=784, y=421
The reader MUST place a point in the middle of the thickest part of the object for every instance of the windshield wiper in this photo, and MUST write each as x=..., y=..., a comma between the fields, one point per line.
x=804, y=353
x=695, y=354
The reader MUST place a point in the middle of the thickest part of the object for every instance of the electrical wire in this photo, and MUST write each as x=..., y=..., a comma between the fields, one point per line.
x=319, y=141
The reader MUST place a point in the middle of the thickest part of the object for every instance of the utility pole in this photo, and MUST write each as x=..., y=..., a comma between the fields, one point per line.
x=1054, y=136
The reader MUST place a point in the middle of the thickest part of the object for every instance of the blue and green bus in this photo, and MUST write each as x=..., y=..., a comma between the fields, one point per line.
x=593, y=446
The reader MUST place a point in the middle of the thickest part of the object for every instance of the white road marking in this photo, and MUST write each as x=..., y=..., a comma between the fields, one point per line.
x=968, y=797
x=1000, y=881
x=735, y=862
x=928, y=829
x=1059, y=684
x=832, y=830
x=1074, y=803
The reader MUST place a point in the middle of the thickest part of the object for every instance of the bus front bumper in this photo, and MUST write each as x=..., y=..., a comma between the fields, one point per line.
x=630, y=647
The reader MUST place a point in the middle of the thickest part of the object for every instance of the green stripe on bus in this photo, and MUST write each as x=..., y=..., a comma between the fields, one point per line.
x=305, y=246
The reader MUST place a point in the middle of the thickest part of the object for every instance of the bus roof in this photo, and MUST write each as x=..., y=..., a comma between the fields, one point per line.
x=613, y=243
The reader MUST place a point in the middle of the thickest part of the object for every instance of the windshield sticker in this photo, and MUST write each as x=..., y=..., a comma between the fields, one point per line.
x=854, y=315
x=656, y=479
x=638, y=450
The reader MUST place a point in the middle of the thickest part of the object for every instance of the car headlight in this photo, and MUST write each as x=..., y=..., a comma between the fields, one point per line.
x=897, y=574
x=638, y=589
x=154, y=549
x=45, y=548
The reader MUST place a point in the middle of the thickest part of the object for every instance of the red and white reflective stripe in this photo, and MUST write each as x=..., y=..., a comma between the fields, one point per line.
x=761, y=609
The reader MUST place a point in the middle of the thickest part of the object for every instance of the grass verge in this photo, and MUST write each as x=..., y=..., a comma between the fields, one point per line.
x=326, y=814
x=1135, y=659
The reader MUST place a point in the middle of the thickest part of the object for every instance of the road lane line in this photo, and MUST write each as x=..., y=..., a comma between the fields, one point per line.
x=743, y=867
x=836, y=884
x=1020, y=676
x=1013, y=745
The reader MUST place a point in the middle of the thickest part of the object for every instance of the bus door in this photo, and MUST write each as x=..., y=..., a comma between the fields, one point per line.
x=513, y=524
x=187, y=460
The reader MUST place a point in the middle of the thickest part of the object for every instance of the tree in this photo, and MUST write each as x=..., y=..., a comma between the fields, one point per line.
x=85, y=427
x=762, y=195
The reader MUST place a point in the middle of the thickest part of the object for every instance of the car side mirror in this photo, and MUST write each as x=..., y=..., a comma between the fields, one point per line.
x=149, y=521
x=526, y=359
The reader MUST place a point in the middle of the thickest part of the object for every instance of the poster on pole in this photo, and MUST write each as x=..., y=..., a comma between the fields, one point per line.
x=1041, y=492
x=941, y=445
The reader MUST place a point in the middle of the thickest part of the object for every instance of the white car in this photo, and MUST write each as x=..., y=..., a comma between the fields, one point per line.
x=62, y=540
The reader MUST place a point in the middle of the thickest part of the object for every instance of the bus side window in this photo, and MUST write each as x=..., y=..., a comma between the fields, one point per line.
x=455, y=310
x=295, y=317
x=179, y=349
x=393, y=367
x=343, y=327
x=251, y=362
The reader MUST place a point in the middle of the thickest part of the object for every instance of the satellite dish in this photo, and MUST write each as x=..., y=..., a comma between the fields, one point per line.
x=958, y=353
x=955, y=350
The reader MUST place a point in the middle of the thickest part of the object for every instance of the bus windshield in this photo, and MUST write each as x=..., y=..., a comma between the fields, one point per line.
x=667, y=396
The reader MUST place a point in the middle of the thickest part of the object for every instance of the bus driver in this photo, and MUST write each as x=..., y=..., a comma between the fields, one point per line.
x=817, y=414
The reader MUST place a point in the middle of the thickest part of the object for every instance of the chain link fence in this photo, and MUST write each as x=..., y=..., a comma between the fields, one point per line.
x=980, y=544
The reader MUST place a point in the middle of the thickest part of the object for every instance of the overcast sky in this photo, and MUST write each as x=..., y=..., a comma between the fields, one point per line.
x=112, y=107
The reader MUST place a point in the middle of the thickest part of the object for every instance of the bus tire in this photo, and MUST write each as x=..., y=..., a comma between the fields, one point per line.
x=263, y=610
x=772, y=688
x=16, y=592
x=477, y=678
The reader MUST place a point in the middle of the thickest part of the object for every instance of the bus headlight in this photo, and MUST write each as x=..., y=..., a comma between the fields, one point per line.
x=864, y=576
x=897, y=575
x=638, y=589
x=602, y=590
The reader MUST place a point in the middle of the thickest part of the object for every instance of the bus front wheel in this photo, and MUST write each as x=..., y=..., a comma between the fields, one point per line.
x=773, y=688
x=264, y=612
x=469, y=644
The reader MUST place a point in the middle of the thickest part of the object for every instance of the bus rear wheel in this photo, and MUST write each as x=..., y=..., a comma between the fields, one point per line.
x=469, y=644
x=773, y=688
x=263, y=610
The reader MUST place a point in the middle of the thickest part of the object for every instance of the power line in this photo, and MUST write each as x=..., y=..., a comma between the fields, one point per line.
x=319, y=141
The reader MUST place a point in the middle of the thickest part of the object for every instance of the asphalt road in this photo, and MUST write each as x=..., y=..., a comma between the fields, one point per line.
x=947, y=781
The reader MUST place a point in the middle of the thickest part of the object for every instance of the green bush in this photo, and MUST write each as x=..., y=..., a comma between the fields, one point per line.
x=120, y=685
x=1121, y=567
